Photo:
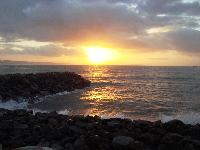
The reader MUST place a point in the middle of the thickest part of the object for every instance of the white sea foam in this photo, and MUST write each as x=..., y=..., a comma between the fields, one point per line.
x=187, y=118
x=108, y=116
x=12, y=105
x=64, y=93
x=35, y=110
x=63, y=112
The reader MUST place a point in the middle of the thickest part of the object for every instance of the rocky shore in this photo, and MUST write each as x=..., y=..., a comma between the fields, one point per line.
x=30, y=86
x=21, y=128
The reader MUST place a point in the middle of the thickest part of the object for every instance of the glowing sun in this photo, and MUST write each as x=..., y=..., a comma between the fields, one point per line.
x=98, y=55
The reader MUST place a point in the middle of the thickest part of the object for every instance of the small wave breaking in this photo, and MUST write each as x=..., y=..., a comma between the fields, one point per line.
x=187, y=118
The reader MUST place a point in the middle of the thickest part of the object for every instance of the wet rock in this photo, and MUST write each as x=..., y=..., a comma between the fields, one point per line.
x=69, y=146
x=174, y=126
x=29, y=86
x=113, y=123
x=43, y=143
x=1, y=98
x=150, y=138
x=196, y=144
x=53, y=121
x=57, y=147
x=76, y=130
x=21, y=128
x=125, y=142
x=172, y=141
x=172, y=138
x=34, y=148
x=43, y=93
x=188, y=147
x=80, y=144
x=94, y=141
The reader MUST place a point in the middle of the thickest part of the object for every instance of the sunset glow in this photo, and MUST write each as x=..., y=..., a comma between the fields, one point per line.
x=99, y=55
x=107, y=32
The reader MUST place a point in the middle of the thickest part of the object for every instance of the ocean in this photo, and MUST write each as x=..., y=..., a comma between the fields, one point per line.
x=135, y=92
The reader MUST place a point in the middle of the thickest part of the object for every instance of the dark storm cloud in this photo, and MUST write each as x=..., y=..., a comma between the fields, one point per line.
x=71, y=21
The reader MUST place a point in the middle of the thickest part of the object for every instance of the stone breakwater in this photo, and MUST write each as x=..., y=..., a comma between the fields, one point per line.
x=30, y=86
x=21, y=128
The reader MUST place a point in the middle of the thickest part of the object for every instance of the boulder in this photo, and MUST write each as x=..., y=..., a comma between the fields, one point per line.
x=126, y=142
x=122, y=140
x=80, y=144
x=174, y=126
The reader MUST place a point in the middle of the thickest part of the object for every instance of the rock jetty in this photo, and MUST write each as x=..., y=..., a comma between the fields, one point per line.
x=20, y=128
x=30, y=86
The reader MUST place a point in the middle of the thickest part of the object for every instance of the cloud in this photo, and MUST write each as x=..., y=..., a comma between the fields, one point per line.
x=48, y=50
x=186, y=40
x=71, y=20
x=116, y=21
x=173, y=7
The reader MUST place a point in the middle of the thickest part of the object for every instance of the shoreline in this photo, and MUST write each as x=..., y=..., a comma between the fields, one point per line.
x=21, y=128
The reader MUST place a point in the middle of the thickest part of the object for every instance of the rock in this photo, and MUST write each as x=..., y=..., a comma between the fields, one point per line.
x=121, y=132
x=52, y=121
x=28, y=86
x=34, y=148
x=188, y=147
x=80, y=144
x=171, y=138
x=113, y=123
x=94, y=141
x=196, y=143
x=125, y=142
x=69, y=146
x=20, y=126
x=122, y=140
x=43, y=93
x=137, y=145
x=150, y=138
x=76, y=130
x=1, y=98
x=57, y=147
x=43, y=143
x=172, y=141
x=174, y=126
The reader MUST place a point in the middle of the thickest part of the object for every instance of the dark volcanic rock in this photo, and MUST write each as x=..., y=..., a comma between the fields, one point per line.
x=21, y=128
x=174, y=126
x=30, y=86
x=125, y=142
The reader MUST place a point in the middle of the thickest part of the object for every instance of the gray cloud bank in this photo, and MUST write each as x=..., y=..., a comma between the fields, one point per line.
x=69, y=21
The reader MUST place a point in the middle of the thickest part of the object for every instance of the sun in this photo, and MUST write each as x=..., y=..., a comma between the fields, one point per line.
x=99, y=55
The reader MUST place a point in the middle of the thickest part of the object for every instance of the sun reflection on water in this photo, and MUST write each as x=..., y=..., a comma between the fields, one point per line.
x=102, y=96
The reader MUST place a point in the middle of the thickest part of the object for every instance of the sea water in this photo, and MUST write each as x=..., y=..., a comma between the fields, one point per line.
x=135, y=92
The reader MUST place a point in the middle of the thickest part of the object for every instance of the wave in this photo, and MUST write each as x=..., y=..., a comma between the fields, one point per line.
x=12, y=105
x=23, y=103
x=187, y=118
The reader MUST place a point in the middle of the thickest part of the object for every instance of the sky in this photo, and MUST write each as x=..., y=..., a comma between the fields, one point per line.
x=113, y=32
